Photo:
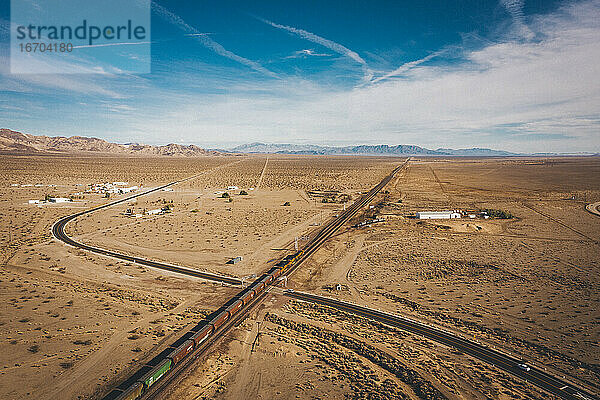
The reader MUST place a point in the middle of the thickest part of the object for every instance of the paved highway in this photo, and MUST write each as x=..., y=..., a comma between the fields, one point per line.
x=594, y=208
x=503, y=361
x=58, y=230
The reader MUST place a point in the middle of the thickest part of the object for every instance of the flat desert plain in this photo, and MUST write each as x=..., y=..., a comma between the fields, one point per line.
x=75, y=324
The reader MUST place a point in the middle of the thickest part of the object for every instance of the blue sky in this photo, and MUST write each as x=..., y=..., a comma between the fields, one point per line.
x=518, y=75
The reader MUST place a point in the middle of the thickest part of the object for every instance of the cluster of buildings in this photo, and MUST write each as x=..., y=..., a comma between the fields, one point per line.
x=51, y=200
x=454, y=214
x=106, y=189
x=111, y=188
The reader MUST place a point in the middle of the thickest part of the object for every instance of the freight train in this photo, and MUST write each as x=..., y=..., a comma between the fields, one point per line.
x=204, y=330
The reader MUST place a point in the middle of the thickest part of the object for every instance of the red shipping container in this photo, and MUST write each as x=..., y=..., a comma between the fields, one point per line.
x=179, y=353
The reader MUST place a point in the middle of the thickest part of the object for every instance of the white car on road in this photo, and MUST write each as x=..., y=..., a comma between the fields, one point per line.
x=525, y=367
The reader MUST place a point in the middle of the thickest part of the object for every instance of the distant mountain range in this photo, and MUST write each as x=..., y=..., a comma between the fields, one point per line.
x=16, y=142
x=381, y=149
x=22, y=143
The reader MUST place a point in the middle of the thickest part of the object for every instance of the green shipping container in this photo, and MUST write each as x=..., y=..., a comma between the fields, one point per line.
x=151, y=377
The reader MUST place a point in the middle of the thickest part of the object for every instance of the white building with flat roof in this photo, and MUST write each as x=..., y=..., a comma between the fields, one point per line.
x=438, y=215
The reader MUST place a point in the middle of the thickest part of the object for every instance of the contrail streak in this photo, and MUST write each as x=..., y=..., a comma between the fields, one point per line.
x=404, y=68
x=207, y=41
x=338, y=48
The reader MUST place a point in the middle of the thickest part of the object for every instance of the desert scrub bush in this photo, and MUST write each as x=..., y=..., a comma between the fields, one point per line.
x=34, y=349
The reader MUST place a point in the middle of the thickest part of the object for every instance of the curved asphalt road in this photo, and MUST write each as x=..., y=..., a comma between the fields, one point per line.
x=594, y=208
x=503, y=361
x=58, y=230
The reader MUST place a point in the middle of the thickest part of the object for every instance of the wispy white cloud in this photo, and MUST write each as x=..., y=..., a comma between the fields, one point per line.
x=34, y=83
x=406, y=67
x=77, y=77
x=338, y=48
x=207, y=42
x=514, y=95
x=515, y=9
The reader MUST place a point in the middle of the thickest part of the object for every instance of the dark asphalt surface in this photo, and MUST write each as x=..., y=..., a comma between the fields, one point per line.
x=503, y=361
x=58, y=230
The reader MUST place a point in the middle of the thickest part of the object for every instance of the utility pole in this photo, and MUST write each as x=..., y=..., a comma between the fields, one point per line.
x=296, y=243
x=255, y=342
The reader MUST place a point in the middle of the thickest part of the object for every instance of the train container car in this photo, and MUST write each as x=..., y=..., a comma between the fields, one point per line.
x=198, y=326
x=219, y=320
x=179, y=353
x=275, y=273
x=264, y=282
x=260, y=286
x=156, y=373
x=134, y=392
x=272, y=269
x=296, y=257
x=234, y=308
x=200, y=336
x=247, y=297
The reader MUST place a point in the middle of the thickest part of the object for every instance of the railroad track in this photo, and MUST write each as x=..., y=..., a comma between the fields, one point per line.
x=330, y=228
x=174, y=376
x=58, y=231
x=229, y=315
x=505, y=362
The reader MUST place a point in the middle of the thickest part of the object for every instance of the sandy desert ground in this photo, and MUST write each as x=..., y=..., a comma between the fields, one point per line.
x=526, y=285
x=73, y=323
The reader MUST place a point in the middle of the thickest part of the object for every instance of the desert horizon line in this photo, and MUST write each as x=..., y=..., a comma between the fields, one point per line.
x=308, y=147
